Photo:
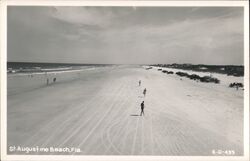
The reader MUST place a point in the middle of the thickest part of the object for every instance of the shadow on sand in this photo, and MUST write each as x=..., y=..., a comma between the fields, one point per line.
x=134, y=115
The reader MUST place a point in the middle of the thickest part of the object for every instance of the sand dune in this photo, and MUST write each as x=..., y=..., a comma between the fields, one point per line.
x=97, y=111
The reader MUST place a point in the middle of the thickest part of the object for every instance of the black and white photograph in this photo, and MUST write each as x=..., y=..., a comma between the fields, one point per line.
x=125, y=80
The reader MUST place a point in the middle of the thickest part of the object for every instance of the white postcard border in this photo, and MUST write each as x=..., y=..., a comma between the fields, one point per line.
x=3, y=59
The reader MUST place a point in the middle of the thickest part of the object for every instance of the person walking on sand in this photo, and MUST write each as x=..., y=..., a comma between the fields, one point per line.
x=144, y=92
x=139, y=82
x=142, y=108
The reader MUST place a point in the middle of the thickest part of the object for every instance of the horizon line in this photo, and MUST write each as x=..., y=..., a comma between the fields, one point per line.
x=122, y=63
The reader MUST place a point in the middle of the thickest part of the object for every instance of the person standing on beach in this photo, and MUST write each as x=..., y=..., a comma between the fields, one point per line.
x=144, y=92
x=142, y=108
x=139, y=82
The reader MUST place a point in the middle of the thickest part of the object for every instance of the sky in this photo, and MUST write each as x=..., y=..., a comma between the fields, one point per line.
x=125, y=35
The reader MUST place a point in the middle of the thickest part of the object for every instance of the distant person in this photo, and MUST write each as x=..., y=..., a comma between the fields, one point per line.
x=144, y=92
x=54, y=80
x=142, y=108
x=47, y=81
x=139, y=82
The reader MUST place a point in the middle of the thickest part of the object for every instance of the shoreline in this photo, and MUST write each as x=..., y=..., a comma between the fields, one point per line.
x=49, y=72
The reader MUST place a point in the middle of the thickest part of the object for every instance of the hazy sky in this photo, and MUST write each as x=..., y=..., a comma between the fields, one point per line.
x=126, y=35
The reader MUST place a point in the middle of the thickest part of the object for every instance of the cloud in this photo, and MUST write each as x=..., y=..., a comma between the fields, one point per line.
x=82, y=15
x=209, y=35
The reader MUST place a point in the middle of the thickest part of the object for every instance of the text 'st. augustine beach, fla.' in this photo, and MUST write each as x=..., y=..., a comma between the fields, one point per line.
x=153, y=81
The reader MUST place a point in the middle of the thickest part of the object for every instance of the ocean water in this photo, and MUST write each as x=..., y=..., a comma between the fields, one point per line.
x=33, y=67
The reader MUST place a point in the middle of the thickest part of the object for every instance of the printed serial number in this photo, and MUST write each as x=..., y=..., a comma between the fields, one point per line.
x=223, y=152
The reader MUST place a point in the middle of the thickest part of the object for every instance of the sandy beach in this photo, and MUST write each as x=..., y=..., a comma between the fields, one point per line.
x=98, y=111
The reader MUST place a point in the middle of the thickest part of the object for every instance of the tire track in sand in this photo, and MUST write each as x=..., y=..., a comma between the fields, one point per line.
x=109, y=127
x=100, y=120
x=135, y=135
x=56, y=125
